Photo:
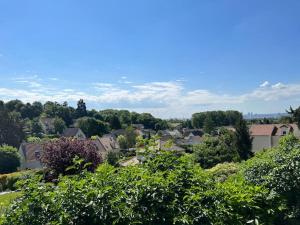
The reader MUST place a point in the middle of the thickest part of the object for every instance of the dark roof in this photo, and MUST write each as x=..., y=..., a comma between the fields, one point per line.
x=70, y=132
x=30, y=151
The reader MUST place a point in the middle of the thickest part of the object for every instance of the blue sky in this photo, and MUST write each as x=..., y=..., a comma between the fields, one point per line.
x=170, y=58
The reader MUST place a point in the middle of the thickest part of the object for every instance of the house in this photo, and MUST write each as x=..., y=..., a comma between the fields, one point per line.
x=30, y=155
x=47, y=124
x=191, y=132
x=73, y=132
x=109, y=141
x=190, y=140
x=268, y=135
x=102, y=150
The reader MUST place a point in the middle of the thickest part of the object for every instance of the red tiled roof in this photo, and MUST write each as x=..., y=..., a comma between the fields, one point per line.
x=263, y=130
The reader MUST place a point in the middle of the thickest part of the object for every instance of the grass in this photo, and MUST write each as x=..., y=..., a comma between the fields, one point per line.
x=6, y=200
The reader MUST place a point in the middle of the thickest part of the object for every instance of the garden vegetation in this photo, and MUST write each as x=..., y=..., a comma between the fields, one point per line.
x=169, y=188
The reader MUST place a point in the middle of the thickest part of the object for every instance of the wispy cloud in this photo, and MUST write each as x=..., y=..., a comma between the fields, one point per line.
x=169, y=98
x=265, y=84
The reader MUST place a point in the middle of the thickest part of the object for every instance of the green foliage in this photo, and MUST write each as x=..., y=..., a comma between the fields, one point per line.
x=222, y=171
x=91, y=127
x=167, y=190
x=8, y=181
x=122, y=142
x=59, y=125
x=220, y=118
x=278, y=170
x=112, y=158
x=214, y=150
x=81, y=109
x=209, y=126
x=11, y=128
x=6, y=200
x=9, y=159
x=130, y=136
x=243, y=140
x=35, y=127
x=115, y=122
x=295, y=113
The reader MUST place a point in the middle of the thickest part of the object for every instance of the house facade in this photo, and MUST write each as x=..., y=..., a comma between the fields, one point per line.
x=268, y=135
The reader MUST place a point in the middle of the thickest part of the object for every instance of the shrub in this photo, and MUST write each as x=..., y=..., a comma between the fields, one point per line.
x=177, y=192
x=9, y=159
x=222, y=171
x=112, y=158
x=278, y=170
x=214, y=150
x=59, y=154
x=8, y=181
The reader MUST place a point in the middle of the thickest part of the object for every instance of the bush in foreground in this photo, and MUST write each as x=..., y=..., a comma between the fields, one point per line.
x=170, y=189
x=179, y=192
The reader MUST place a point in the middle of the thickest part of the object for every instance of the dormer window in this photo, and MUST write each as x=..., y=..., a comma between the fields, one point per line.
x=283, y=133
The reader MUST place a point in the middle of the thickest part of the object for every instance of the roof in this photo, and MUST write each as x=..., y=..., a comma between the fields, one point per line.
x=263, y=129
x=195, y=132
x=269, y=129
x=70, y=132
x=30, y=151
x=191, y=140
x=109, y=142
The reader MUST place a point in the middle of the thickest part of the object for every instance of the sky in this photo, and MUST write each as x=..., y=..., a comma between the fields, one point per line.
x=170, y=58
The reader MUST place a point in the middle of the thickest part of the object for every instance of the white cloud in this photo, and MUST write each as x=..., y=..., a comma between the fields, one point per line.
x=278, y=86
x=164, y=99
x=265, y=84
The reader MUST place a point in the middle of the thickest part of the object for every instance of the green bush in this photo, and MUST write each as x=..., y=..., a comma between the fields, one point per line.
x=8, y=181
x=9, y=159
x=278, y=170
x=168, y=189
x=214, y=150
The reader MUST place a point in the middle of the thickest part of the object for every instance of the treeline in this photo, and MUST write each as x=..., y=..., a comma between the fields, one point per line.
x=19, y=120
x=218, y=118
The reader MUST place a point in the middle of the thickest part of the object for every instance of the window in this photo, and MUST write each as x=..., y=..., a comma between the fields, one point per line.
x=37, y=154
x=283, y=133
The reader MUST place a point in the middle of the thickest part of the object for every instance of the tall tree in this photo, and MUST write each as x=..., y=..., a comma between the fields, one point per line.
x=36, y=127
x=243, y=139
x=90, y=126
x=11, y=128
x=81, y=109
x=295, y=113
x=209, y=126
x=130, y=136
x=59, y=125
x=115, y=122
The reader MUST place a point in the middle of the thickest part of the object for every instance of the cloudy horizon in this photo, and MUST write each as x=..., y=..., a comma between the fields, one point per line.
x=165, y=99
